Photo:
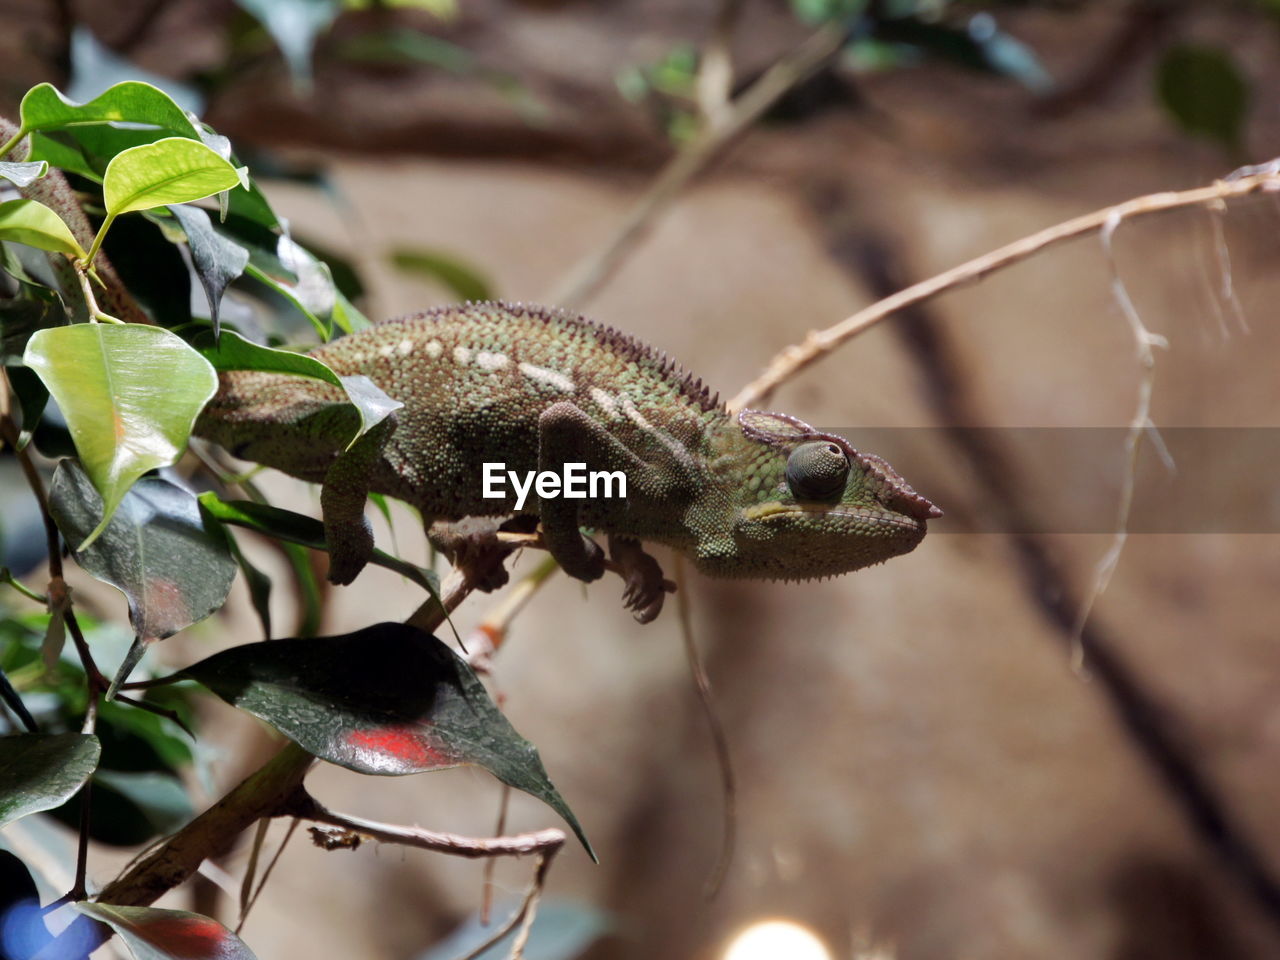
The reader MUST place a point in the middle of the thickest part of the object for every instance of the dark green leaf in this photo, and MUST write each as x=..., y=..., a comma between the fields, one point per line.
x=259, y=583
x=130, y=394
x=154, y=934
x=23, y=316
x=14, y=702
x=151, y=267
x=155, y=550
x=387, y=700
x=40, y=771
x=234, y=352
x=32, y=396
x=308, y=532
x=1204, y=92
x=461, y=279
x=21, y=173
x=217, y=259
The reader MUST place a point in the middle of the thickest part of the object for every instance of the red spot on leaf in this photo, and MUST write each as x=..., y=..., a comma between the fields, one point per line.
x=193, y=937
x=403, y=745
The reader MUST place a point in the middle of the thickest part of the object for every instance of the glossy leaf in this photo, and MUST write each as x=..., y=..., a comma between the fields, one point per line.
x=306, y=531
x=130, y=393
x=172, y=170
x=294, y=25
x=218, y=260
x=40, y=771
x=461, y=279
x=1204, y=91
x=234, y=352
x=388, y=700
x=154, y=934
x=31, y=222
x=44, y=108
x=23, y=174
x=156, y=550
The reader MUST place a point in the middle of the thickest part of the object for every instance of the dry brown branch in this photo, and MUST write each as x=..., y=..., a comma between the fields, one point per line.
x=790, y=361
x=545, y=842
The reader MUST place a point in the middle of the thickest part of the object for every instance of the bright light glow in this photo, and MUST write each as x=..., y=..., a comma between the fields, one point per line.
x=774, y=939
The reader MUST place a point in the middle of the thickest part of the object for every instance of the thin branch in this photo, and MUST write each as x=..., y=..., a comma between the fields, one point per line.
x=158, y=711
x=546, y=842
x=719, y=739
x=266, y=874
x=792, y=69
x=790, y=361
x=523, y=915
x=1145, y=343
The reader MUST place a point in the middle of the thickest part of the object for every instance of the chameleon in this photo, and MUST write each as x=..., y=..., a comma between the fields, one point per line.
x=748, y=494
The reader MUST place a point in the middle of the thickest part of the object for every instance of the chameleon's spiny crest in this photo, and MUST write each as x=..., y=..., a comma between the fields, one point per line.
x=753, y=495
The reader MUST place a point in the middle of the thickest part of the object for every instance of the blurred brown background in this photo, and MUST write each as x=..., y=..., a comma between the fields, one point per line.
x=924, y=771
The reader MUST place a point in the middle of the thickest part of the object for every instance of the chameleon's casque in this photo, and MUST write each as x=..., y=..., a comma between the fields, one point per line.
x=748, y=495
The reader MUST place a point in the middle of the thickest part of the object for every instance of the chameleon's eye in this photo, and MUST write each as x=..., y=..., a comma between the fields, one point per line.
x=817, y=471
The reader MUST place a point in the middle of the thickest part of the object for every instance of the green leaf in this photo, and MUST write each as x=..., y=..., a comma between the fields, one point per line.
x=23, y=316
x=156, y=550
x=463, y=280
x=154, y=934
x=294, y=25
x=387, y=700
x=218, y=260
x=130, y=394
x=306, y=531
x=1204, y=92
x=234, y=352
x=40, y=771
x=21, y=173
x=31, y=222
x=172, y=170
x=44, y=108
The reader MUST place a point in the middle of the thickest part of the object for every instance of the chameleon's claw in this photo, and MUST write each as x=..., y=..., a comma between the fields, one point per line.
x=645, y=590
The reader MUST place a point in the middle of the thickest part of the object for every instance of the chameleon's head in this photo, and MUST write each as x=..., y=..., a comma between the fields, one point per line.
x=807, y=504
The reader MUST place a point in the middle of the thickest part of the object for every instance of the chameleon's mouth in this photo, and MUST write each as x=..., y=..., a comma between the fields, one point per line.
x=775, y=510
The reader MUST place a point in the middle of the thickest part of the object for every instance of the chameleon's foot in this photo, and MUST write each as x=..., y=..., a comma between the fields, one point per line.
x=350, y=547
x=472, y=546
x=645, y=589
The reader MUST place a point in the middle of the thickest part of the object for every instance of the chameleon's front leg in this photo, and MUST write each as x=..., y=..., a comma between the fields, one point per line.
x=566, y=434
x=342, y=500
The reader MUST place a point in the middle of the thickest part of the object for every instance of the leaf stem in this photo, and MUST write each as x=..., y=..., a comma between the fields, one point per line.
x=13, y=142
x=91, y=302
x=6, y=576
x=97, y=240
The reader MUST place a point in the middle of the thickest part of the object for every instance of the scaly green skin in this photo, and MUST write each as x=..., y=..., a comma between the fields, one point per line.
x=536, y=388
